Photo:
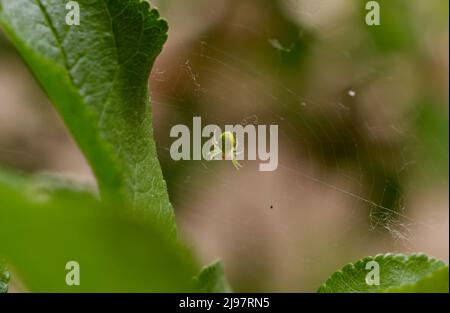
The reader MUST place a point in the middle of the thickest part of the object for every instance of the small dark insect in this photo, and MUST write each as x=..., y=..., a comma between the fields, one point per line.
x=271, y=207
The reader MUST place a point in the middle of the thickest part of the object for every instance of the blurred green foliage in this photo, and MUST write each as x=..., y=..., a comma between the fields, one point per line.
x=117, y=252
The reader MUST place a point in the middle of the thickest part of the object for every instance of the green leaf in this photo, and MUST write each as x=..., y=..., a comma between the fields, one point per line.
x=435, y=282
x=398, y=273
x=4, y=278
x=116, y=251
x=43, y=185
x=96, y=75
x=212, y=279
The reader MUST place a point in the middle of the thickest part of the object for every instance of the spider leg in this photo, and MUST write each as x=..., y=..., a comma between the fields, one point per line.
x=214, y=153
x=236, y=164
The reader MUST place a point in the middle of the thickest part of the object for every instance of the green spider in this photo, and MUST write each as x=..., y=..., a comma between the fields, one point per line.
x=229, y=142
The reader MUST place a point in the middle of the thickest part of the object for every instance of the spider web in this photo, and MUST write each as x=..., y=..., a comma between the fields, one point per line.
x=345, y=156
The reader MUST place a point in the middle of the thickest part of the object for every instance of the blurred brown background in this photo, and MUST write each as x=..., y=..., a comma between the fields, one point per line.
x=363, y=132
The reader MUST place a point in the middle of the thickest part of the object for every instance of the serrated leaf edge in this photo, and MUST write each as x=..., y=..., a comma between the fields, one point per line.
x=378, y=257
